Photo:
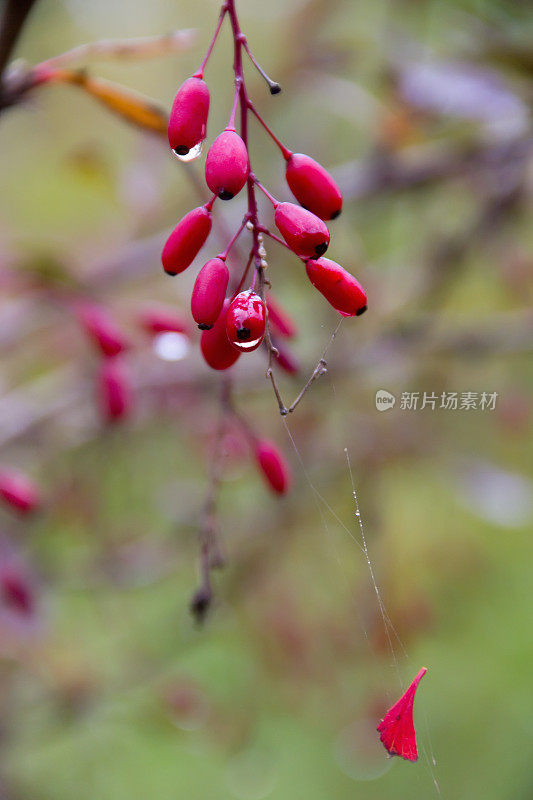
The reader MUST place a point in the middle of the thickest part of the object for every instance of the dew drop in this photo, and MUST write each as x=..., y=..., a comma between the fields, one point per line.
x=194, y=152
x=171, y=346
x=244, y=346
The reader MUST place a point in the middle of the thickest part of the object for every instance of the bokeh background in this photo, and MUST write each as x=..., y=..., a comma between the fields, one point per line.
x=108, y=689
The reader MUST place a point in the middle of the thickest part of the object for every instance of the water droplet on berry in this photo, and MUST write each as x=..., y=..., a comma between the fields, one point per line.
x=250, y=345
x=192, y=154
x=171, y=346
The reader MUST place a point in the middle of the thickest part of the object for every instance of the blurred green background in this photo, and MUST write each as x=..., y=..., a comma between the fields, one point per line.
x=109, y=690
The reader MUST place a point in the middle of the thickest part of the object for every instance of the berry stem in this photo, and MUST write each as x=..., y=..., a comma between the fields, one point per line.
x=265, y=192
x=231, y=122
x=234, y=238
x=275, y=238
x=243, y=276
x=274, y=87
x=200, y=72
x=285, y=152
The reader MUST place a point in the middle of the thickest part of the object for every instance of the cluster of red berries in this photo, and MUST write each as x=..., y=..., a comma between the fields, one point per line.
x=114, y=389
x=235, y=322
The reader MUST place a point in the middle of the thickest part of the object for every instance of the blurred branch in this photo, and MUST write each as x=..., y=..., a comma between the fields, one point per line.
x=18, y=82
x=13, y=18
x=140, y=47
x=422, y=165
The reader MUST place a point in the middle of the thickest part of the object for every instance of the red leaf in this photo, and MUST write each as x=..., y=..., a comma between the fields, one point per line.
x=397, y=728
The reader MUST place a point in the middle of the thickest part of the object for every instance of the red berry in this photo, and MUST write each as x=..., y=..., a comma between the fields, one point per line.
x=286, y=360
x=313, y=186
x=305, y=233
x=215, y=345
x=245, y=321
x=188, y=117
x=186, y=240
x=19, y=491
x=102, y=329
x=16, y=592
x=160, y=319
x=273, y=466
x=227, y=166
x=279, y=319
x=209, y=293
x=115, y=392
x=338, y=286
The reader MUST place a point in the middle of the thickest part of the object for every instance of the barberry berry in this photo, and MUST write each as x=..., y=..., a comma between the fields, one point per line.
x=338, y=286
x=313, y=186
x=160, y=319
x=227, y=165
x=209, y=293
x=245, y=321
x=273, y=466
x=115, y=393
x=216, y=348
x=279, y=319
x=305, y=233
x=188, y=117
x=102, y=329
x=16, y=592
x=19, y=491
x=186, y=240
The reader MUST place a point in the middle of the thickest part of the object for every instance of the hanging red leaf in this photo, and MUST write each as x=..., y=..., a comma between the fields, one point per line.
x=397, y=730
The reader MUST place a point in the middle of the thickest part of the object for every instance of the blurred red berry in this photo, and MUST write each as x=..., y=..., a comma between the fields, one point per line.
x=216, y=348
x=19, y=491
x=313, y=186
x=209, y=293
x=338, y=286
x=286, y=359
x=273, y=466
x=160, y=319
x=16, y=593
x=102, y=329
x=186, y=240
x=305, y=233
x=227, y=166
x=397, y=728
x=245, y=321
x=115, y=392
x=188, y=118
x=279, y=319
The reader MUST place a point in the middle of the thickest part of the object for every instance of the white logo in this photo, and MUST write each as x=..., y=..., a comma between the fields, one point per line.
x=384, y=400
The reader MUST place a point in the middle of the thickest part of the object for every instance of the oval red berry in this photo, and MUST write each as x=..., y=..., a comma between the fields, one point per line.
x=215, y=346
x=227, y=165
x=338, y=286
x=186, y=240
x=209, y=293
x=187, y=123
x=305, y=233
x=313, y=186
x=245, y=321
